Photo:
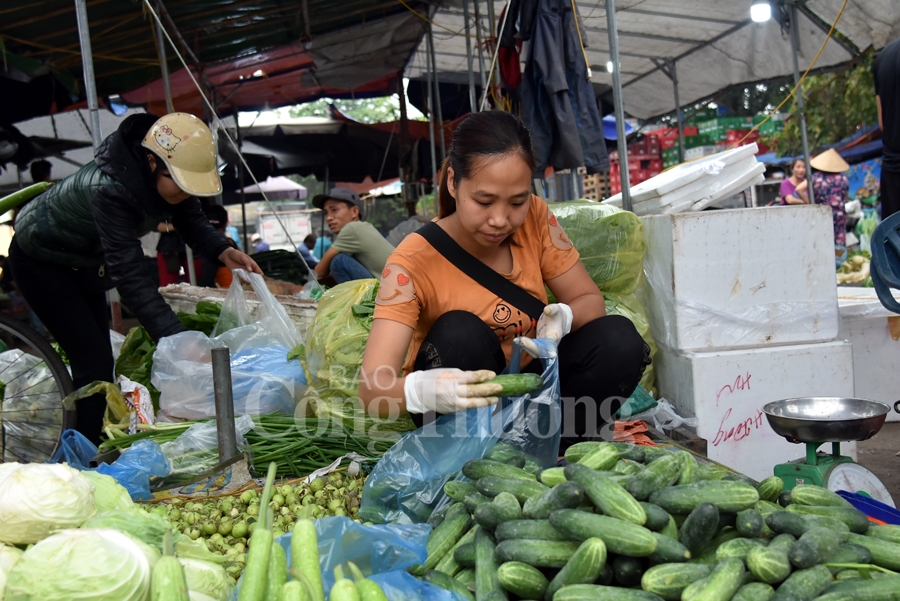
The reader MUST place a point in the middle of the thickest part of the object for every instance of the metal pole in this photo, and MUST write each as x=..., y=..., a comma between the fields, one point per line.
x=678, y=112
x=491, y=19
x=478, y=37
x=795, y=50
x=430, y=109
x=87, y=64
x=224, y=399
x=437, y=91
x=617, y=100
x=472, y=101
x=237, y=131
x=163, y=64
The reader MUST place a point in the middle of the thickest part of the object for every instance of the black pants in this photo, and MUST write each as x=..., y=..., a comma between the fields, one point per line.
x=600, y=365
x=890, y=193
x=72, y=304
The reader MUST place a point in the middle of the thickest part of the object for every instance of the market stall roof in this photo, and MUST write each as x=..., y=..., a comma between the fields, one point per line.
x=278, y=188
x=714, y=43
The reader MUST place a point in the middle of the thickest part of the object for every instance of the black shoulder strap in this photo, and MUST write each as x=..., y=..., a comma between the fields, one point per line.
x=481, y=273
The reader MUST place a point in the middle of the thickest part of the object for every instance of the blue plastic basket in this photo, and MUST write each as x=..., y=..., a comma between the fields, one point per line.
x=875, y=510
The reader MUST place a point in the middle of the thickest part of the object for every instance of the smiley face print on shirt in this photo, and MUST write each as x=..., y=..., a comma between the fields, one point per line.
x=396, y=286
x=558, y=234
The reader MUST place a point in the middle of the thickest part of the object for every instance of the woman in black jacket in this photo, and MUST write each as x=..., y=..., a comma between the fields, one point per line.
x=80, y=239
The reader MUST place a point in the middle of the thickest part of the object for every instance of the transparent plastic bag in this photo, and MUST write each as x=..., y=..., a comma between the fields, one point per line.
x=271, y=323
x=610, y=241
x=664, y=417
x=399, y=585
x=197, y=449
x=336, y=341
x=407, y=484
x=30, y=412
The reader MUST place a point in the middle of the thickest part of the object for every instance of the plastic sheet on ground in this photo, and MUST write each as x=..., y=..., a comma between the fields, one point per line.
x=31, y=410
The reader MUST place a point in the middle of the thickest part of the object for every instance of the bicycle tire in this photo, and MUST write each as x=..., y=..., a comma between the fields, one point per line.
x=41, y=350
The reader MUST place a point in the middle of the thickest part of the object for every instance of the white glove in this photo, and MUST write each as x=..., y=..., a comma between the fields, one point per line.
x=448, y=390
x=555, y=323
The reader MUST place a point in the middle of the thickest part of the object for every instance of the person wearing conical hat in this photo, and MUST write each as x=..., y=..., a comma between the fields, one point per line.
x=831, y=187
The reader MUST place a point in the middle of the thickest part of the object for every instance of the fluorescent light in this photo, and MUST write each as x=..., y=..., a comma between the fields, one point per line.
x=609, y=66
x=760, y=11
x=258, y=73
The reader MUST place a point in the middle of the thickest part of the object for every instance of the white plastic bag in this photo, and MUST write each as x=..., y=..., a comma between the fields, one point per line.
x=263, y=380
x=663, y=417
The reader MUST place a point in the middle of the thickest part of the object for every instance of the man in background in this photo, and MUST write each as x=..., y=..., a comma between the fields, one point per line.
x=305, y=250
x=40, y=171
x=259, y=245
x=887, y=98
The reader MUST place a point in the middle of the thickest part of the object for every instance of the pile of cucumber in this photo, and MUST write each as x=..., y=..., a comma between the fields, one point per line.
x=629, y=523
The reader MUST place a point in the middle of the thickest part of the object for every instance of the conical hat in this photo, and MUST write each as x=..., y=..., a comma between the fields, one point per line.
x=829, y=161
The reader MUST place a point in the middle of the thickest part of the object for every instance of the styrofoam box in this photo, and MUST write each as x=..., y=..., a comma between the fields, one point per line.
x=876, y=355
x=726, y=390
x=741, y=278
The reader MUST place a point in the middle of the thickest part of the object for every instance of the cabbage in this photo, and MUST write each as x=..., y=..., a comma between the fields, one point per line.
x=88, y=563
x=146, y=527
x=206, y=578
x=8, y=558
x=37, y=499
x=108, y=493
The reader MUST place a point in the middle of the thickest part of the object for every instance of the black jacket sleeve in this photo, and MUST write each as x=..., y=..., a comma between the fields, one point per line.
x=196, y=230
x=117, y=224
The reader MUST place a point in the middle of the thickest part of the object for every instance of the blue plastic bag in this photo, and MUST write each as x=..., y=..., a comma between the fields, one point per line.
x=407, y=484
x=132, y=469
x=400, y=586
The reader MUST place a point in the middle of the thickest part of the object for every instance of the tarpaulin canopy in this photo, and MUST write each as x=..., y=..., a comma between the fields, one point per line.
x=278, y=188
x=714, y=43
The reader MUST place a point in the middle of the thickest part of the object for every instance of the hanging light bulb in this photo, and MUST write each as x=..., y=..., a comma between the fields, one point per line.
x=760, y=11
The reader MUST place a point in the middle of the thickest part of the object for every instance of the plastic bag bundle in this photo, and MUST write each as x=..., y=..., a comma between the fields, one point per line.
x=31, y=411
x=610, y=241
x=336, y=341
x=197, y=450
x=407, y=484
x=263, y=379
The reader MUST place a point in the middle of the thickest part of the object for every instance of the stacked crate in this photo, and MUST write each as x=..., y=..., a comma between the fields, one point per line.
x=644, y=162
x=594, y=185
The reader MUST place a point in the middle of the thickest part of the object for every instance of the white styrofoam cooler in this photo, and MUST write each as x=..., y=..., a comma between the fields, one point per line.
x=741, y=278
x=726, y=391
x=876, y=355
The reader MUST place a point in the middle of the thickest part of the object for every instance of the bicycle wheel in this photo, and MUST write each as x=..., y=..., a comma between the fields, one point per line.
x=33, y=382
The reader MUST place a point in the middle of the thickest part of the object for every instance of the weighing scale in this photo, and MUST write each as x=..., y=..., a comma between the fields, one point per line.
x=819, y=420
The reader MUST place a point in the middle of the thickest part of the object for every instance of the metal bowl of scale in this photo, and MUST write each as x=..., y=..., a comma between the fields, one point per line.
x=826, y=419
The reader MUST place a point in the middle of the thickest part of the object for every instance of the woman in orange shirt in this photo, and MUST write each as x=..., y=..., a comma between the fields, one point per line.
x=438, y=334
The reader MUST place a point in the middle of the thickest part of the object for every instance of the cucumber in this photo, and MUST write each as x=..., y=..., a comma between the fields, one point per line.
x=671, y=529
x=491, y=486
x=294, y=590
x=669, y=550
x=739, y=547
x=448, y=564
x=855, y=519
x=750, y=523
x=482, y=468
x=631, y=452
x=606, y=495
x=690, y=469
x=522, y=579
x=578, y=450
x=537, y=553
x=343, y=589
x=606, y=576
x=804, y=585
x=669, y=580
x=699, y=528
x=449, y=583
x=621, y=537
x=661, y=473
x=784, y=499
x=809, y=494
x=598, y=592
x=657, y=517
x=628, y=571
x=813, y=547
x=528, y=529
x=785, y=522
x=709, y=472
x=472, y=501
x=10, y=202
x=875, y=589
x=369, y=590
x=771, y=564
x=627, y=468
x=849, y=553
x=486, y=565
x=821, y=521
x=695, y=587
x=602, y=458
x=517, y=384
x=724, y=581
x=437, y=516
x=305, y=557
x=515, y=461
x=466, y=578
x=444, y=537
x=464, y=555
x=167, y=580
x=720, y=539
x=552, y=476
x=727, y=519
x=277, y=575
x=727, y=496
x=885, y=554
x=767, y=507
x=754, y=591
x=503, y=508
x=886, y=532
x=584, y=567
x=567, y=495
x=459, y=489
x=770, y=488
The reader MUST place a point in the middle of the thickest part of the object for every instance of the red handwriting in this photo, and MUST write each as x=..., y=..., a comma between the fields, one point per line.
x=740, y=431
x=740, y=383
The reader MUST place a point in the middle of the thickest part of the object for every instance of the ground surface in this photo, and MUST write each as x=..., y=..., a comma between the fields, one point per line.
x=879, y=455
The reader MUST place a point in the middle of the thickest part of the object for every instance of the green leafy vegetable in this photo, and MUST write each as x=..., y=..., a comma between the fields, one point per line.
x=108, y=493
